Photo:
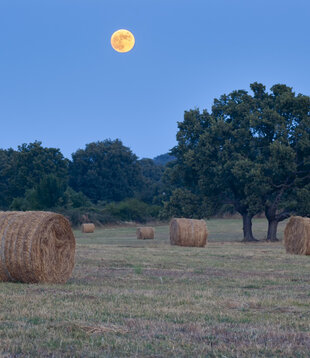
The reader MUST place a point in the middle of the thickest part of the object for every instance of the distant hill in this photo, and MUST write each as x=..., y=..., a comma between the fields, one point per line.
x=163, y=159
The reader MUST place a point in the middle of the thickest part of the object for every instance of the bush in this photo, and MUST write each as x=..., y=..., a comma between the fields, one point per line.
x=49, y=193
x=182, y=203
x=93, y=214
x=226, y=210
x=132, y=210
x=73, y=199
x=28, y=202
x=127, y=210
x=79, y=209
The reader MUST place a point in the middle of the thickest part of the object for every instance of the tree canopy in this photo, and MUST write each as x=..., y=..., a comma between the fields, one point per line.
x=249, y=151
x=105, y=171
x=23, y=169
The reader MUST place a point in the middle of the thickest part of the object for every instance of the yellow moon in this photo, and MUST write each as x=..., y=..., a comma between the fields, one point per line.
x=122, y=40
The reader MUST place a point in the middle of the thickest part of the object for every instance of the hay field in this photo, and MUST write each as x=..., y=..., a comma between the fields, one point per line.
x=134, y=298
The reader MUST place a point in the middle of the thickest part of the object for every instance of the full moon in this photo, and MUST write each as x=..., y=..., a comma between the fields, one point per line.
x=122, y=40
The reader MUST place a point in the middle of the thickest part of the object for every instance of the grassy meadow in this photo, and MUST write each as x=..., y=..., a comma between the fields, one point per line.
x=130, y=298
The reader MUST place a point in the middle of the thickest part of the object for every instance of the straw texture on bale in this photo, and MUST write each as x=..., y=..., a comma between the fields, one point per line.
x=145, y=233
x=297, y=236
x=88, y=228
x=35, y=247
x=188, y=232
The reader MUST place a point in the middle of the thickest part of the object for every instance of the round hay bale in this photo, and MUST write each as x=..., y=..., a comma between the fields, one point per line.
x=145, y=233
x=297, y=236
x=36, y=247
x=88, y=228
x=188, y=232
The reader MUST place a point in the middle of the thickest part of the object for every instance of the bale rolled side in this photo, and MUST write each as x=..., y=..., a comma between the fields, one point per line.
x=145, y=233
x=36, y=247
x=297, y=236
x=88, y=228
x=188, y=232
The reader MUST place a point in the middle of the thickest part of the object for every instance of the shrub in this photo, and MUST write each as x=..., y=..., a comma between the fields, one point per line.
x=183, y=203
x=87, y=214
x=132, y=210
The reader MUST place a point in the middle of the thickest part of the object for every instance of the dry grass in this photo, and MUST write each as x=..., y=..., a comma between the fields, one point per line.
x=134, y=298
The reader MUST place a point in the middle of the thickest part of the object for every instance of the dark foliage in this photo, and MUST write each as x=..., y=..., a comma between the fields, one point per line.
x=252, y=151
x=105, y=171
x=163, y=159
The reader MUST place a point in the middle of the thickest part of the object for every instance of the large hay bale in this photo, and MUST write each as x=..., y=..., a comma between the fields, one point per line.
x=145, y=233
x=297, y=236
x=35, y=247
x=188, y=232
x=88, y=228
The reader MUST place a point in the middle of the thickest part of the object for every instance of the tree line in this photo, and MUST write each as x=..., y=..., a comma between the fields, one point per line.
x=250, y=154
x=34, y=177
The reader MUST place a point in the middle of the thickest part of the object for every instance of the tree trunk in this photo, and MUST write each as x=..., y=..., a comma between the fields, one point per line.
x=273, y=221
x=272, y=230
x=247, y=228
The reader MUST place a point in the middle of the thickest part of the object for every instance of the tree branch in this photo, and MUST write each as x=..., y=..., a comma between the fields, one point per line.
x=282, y=216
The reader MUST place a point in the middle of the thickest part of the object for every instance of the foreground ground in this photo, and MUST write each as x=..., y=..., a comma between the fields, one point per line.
x=130, y=298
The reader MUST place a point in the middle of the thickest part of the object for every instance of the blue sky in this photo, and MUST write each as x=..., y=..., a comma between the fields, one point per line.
x=63, y=84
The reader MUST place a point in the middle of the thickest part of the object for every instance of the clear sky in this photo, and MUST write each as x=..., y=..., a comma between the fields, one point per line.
x=63, y=84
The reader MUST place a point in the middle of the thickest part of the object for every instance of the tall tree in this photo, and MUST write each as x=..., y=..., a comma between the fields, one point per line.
x=216, y=156
x=105, y=171
x=252, y=151
x=281, y=125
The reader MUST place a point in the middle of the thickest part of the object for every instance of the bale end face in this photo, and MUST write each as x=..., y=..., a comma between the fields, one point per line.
x=36, y=247
x=144, y=233
x=188, y=232
x=297, y=236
